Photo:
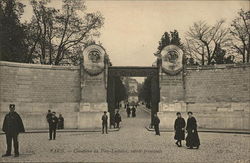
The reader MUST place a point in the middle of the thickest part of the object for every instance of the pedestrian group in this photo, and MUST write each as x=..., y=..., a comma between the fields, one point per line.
x=192, y=139
x=13, y=125
x=54, y=123
x=130, y=108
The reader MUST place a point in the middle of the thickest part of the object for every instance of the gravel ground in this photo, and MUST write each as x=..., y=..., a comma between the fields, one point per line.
x=133, y=143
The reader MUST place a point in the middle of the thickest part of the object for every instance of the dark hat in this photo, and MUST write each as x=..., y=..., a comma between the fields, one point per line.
x=54, y=112
x=105, y=112
x=12, y=105
x=190, y=112
x=178, y=113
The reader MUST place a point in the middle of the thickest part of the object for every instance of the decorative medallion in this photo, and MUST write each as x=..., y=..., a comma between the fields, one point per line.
x=93, y=59
x=171, y=59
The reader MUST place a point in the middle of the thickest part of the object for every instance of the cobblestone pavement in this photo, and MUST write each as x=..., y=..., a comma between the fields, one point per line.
x=133, y=143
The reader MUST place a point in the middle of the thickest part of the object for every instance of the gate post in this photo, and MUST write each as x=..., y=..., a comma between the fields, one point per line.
x=111, y=99
x=93, y=87
x=172, y=94
x=155, y=95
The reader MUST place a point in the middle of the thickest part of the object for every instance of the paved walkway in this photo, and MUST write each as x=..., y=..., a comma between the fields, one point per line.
x=133, y=143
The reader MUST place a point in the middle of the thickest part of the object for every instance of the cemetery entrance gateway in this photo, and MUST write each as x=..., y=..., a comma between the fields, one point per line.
x=152, y=72
x=98, y=81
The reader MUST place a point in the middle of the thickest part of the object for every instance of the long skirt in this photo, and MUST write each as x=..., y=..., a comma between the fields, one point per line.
x=133, y=114
x=192, y=139
x=179, y=135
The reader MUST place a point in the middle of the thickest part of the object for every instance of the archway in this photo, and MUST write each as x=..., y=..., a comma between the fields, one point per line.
x=150, y=72
x=98, y=84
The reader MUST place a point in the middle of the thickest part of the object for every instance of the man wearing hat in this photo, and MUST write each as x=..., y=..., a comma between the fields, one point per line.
x=105, y=122
x=53, y=120
x=12, y=126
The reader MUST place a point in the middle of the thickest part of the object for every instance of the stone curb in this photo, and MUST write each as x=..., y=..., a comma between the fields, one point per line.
x=66, y=130
x=208, y=130
x=146, y=110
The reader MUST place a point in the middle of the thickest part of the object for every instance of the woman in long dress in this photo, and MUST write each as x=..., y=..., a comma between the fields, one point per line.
x=192, y=139
x=133, y=111
x=179, y=127
x=128, y=110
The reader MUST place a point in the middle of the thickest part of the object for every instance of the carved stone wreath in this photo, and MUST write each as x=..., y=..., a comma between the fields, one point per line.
x=93, y=59
x=171, y=59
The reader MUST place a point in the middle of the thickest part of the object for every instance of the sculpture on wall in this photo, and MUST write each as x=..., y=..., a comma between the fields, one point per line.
x=93, y=59
x=172, y=59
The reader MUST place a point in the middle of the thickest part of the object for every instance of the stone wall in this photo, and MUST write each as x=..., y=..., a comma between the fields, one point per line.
x=36, y=88
x=93, y=101
x=224, y=83
x=219, y=96
x=171, y=88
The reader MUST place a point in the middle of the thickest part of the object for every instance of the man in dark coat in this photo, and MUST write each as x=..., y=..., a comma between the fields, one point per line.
x=49, y=115
x=60, y=122
x=118, y=119
x=133, y=111
x=192, y=139
x=179, y=127
x=53, y=121
x=12, y=126
x=156, y=122
x=128, y=111
x=105, y=123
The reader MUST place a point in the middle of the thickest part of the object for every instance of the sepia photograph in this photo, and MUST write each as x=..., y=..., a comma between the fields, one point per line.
x=124, y=81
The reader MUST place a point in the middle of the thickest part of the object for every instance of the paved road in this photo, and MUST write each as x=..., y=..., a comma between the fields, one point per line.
x=133, y=143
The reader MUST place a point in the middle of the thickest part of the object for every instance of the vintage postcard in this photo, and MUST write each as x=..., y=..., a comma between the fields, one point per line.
x=125, y=81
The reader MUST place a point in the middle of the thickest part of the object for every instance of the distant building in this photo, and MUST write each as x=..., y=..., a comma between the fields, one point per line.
x=132, y=91
x=133, y=84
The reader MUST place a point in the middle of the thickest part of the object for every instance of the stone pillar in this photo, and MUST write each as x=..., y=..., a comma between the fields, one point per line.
x=93, y=88
x=155, y=96
x=172, y=99
x=172, y=92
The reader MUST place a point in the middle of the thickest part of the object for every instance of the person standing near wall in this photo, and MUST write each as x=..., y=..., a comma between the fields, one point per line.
x=179, y=127
x=118, y=119
x=128, y=110
x=105, y=123
x=49, y=115
x=12, y=126
x=192, y=139
x=156, y=122
x=53, y=121
x=60, y=122
x=133, y=111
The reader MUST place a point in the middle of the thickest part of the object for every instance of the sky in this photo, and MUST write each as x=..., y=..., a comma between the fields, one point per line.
x=132, y=29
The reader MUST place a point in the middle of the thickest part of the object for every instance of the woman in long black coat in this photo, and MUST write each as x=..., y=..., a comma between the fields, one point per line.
x=128, y=110
x=179, y=127
x=192, y=139
x=133, y=111
x=60, y=122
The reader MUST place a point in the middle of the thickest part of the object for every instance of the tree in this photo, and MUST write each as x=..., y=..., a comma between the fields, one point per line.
x=221, y=58
x=39, y=32
x=59, y=34
x=168, y=39
x=240, y=30
x=202, y=40
x=12, y=36
x=175, y=39
x=145, y=92
x=120, y=91
x=191, y=61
